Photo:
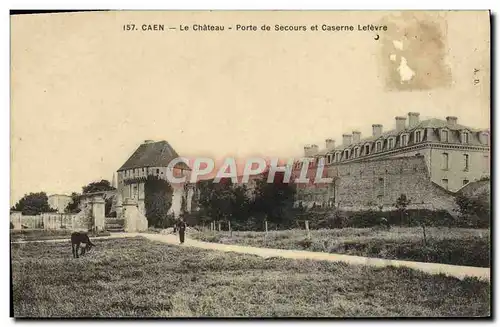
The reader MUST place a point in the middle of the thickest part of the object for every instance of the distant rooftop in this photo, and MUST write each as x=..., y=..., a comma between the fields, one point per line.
x=152, y=154
x=435, y=123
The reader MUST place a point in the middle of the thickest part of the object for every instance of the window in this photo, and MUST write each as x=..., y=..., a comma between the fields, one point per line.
x=390, y=143
x=379, y=146
x=346, y=154
x=337, y=157
x=465, y=137
x=466, y=162
x=444, y=136
x=367, y=149
x=404, y=140
x=445, y=183
x=356, y=152
x=466, y=181
x=418, y=136
x=445, y=164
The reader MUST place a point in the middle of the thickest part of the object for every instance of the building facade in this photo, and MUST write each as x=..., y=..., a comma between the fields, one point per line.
x=443, y=154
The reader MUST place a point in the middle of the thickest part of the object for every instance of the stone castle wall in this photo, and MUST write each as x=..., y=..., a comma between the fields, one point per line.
x=372, y=184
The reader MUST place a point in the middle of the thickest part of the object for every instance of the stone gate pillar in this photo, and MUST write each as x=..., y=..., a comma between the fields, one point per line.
x=119, y=206
x=134, y=220
x=15, y=219
x=98, y=212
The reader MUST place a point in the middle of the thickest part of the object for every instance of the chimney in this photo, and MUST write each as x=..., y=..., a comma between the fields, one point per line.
x=307, y=152
x=148, y=141
x=314, y=149
x=356, y=137
x=346, y=139
x=400, y=123
x=413, y=119
x=330, y=144
x=310, y=150
x=377, y=130
x=451, y=120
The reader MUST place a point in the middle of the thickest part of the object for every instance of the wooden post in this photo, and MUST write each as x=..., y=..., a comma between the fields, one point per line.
x=265, y=235
x=307, y=229
x=219, y=227
x=230, y=230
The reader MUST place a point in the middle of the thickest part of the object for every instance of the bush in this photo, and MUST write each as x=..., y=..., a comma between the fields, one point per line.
x=474, y=210
x=165, y=222
x=415, y=217
x=305, y=243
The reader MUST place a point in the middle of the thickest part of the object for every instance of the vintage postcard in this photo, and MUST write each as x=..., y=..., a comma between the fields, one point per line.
x=250, y=164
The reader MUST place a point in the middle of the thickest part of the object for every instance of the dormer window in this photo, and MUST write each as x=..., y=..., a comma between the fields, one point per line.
x=330, y=158
x=444, y=135
x=346, y=154
x=465, y=137
x=367, y=149
x=404, y=139
x=378, y=146
x=484, y=138
x=418, y=136
x=337, y=156
x=356, y=152
x=390, y=143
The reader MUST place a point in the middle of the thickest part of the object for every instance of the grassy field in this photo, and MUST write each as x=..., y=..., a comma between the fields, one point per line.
x=139, y=278
x=41, y=234
x=457, y=246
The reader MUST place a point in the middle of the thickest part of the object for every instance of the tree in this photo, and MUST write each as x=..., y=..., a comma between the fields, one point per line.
x=33, y=204
x=103, y=185
x=401, y=204
x=73, y=205
x=222, y=194
x=157, y=201
x=239, y=204
x=273, y=200
x=474, y=210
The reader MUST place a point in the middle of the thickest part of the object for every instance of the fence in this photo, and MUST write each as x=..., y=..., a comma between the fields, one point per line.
x=51, y=221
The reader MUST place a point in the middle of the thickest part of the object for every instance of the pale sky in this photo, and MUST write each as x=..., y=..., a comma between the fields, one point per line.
x=86, y=94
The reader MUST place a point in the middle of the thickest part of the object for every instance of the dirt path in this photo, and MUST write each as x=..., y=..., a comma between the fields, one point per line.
x=431, y=268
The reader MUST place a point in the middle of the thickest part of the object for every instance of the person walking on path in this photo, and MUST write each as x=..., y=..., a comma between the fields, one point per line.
x=181, y=227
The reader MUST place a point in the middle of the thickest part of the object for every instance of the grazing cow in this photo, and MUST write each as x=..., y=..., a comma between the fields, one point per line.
x=78, y=238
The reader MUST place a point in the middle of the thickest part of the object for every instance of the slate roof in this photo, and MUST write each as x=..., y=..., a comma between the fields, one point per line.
x=433, y=123
x=154, y=154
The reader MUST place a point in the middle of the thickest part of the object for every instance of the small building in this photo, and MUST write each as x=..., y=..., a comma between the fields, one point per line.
x=150, y=161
